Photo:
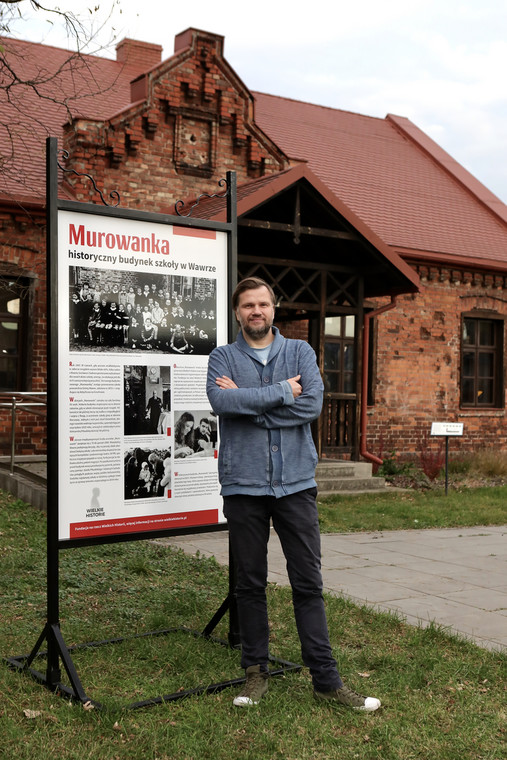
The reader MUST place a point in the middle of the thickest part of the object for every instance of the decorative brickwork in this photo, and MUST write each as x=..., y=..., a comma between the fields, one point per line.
x=195, y=122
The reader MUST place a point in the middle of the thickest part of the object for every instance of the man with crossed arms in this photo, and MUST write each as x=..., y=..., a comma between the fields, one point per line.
x=267, y=390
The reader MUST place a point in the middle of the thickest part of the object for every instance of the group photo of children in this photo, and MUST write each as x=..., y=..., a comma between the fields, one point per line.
x=111, y=310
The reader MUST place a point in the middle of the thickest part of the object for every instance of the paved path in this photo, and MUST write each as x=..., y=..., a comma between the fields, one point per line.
x=456, y=577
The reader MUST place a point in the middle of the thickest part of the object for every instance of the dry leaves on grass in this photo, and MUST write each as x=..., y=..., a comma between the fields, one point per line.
x=32, y=714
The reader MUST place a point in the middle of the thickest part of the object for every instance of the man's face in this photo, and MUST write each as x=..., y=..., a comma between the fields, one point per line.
x=205, y=428
x=255, y=312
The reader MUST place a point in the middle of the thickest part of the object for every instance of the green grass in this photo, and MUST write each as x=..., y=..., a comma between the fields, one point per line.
x=400, y=510
x=443, y=698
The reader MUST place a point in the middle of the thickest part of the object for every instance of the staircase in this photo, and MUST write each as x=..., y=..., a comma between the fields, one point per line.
x=337, y=476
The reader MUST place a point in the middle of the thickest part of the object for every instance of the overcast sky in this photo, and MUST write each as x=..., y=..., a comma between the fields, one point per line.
x=441, y=63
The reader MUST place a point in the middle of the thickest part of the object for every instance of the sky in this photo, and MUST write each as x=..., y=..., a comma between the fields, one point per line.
x=440, y=63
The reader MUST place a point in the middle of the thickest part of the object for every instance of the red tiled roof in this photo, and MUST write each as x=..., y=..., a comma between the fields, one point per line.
x=391, y=175
x=94, y=87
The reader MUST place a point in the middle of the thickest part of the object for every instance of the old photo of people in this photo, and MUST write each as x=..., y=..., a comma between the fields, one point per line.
x=147, y=472
x=126, y=311
x=195, y=434
x=146, y=400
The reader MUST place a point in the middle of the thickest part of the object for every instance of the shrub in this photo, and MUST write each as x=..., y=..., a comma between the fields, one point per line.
x=432, y=459
x=391, y=467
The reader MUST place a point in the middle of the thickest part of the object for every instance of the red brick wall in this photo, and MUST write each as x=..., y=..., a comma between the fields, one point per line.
x=418, y=365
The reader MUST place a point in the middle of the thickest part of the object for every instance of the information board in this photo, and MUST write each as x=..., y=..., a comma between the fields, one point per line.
x=140, y=306
x=446, y=428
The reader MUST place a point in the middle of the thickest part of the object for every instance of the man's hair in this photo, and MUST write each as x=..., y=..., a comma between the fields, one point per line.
x=251, y=283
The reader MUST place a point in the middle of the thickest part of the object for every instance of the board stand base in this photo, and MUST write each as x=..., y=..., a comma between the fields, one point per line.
x=59, y=653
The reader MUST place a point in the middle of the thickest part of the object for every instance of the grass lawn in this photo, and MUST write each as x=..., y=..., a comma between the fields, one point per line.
x=443, y=698
x=401, y=510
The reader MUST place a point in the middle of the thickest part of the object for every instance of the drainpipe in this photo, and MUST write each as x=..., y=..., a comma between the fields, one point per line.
x=364, y=380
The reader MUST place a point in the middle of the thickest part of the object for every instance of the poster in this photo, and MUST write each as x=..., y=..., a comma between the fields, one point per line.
x=140, y=307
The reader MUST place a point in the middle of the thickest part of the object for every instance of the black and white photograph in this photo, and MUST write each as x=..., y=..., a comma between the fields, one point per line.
x=120, y=311
x=195, y=434
x=146, y=400
x=147, y=473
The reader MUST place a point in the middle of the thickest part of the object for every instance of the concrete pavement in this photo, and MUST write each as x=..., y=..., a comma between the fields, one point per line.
x=455, y=577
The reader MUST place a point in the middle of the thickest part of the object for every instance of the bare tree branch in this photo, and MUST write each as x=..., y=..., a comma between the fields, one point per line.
x=30, y=92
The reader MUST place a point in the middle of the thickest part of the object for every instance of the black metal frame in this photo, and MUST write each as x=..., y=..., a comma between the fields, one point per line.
x=57, y=652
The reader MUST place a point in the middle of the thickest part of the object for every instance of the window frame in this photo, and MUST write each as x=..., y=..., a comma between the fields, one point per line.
x=23, y=289
x=496, y=350
x=344, y=342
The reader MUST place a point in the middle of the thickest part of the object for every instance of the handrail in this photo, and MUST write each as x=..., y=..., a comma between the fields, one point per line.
x=24, y=401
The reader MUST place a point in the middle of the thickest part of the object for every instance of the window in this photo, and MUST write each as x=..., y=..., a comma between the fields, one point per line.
x=481, y=363
x=339, y=355
x=13, y=311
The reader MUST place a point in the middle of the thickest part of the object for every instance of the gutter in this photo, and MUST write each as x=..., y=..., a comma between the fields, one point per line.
x=364, y=379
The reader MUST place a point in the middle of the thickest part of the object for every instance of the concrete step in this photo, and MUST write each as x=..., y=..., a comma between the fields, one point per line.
x=360, y=469
x=343, y=476
x=351, y=485
x=336, y=470
x=29, y=487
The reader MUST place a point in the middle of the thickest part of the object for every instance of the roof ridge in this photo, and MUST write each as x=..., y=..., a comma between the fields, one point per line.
x=317, y=105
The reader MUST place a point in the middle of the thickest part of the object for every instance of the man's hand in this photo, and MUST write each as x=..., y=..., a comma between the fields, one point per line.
x=225, y=382
x=295, y=385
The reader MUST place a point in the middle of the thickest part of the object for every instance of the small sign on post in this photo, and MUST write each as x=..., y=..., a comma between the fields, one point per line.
x=447, y=429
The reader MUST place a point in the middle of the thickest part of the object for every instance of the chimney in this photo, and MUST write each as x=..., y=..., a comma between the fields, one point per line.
x=191, y=36
x=141, y=55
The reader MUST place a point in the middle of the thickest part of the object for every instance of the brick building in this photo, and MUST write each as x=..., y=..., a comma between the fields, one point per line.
x=357, y=221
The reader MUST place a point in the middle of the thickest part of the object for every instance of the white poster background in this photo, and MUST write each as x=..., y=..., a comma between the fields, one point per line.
x=93, y=447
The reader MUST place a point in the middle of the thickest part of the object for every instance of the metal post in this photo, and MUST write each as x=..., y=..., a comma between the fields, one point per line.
x=53, y=613
x=232, y=250
x=446, y=463
x=13, y=433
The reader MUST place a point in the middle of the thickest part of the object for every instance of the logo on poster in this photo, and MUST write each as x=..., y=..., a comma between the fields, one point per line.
x=95, y=239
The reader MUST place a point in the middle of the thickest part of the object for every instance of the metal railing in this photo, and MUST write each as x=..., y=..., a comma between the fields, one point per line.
x=33, y=402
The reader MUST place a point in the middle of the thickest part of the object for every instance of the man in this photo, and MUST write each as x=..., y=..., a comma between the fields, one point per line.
x=267, y=390
x=202, y=438
x=153, y=412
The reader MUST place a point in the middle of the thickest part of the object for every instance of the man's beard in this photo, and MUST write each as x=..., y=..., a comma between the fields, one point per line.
x=257, y=333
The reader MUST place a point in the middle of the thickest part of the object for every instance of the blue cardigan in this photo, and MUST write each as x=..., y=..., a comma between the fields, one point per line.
x=266, y=445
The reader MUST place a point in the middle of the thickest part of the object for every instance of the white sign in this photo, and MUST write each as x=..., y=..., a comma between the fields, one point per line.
x=140, y=307
x=446, y=428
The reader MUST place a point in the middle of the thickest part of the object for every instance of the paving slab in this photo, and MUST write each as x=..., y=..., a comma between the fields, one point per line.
x=455, y=577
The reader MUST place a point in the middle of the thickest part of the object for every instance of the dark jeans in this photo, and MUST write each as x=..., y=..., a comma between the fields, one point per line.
x=296, y=522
